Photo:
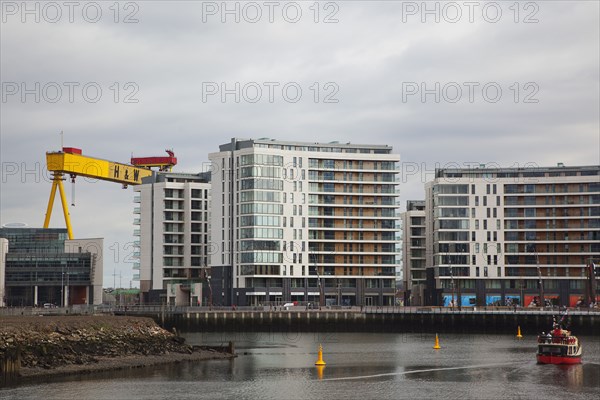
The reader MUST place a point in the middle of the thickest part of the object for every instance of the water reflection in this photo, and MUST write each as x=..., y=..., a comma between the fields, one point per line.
x=572, y=375
x=358, y=365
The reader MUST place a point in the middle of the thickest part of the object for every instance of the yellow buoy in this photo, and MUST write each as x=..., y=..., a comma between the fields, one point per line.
x=519, y=336
x=320, y=360
x=437, y=342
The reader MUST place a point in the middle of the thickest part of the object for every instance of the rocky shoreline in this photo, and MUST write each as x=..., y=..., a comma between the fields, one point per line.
x=63, y=345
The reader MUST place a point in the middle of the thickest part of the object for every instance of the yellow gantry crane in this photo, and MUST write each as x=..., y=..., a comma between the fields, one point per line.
x=70, y=161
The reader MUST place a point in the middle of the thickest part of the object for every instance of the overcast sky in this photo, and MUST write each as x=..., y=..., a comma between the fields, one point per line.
x=446, y=84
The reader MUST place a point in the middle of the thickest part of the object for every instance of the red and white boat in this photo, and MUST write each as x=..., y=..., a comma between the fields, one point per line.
x=558, y=347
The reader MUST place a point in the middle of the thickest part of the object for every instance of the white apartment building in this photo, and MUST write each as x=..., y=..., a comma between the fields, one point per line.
x=305, y=222
x=172, y=219
x=492, y=233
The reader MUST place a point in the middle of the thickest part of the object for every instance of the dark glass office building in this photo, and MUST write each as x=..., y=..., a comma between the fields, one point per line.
x=42, y=267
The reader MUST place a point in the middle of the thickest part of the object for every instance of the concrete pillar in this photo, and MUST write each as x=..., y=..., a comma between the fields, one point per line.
x=35, y=295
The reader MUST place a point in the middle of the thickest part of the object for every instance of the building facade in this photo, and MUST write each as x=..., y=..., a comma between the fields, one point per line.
x=305, y=222
x=413, y=252
x=3, y=254
x=172, y=243
x=493, y=234
x=42, y=266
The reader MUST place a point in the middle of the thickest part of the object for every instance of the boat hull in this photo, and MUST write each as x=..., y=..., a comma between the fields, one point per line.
x=550, y=359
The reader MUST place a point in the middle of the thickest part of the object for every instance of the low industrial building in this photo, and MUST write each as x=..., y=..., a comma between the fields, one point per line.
x=42, y=267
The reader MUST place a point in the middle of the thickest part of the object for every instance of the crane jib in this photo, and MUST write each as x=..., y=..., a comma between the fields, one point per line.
x=96, y=168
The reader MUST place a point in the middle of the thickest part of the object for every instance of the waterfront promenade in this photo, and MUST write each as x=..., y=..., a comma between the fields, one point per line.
x=351, y=319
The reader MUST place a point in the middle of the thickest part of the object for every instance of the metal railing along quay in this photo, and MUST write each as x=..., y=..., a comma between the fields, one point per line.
x=481, y=310
x=162, y=309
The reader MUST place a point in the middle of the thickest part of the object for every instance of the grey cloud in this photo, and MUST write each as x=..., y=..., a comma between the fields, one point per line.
x=368, y=54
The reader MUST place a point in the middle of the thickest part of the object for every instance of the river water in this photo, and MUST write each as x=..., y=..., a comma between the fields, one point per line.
x=359, y=365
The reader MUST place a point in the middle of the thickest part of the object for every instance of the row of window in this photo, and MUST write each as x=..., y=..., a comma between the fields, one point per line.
x=352, y=164
x=551, y=200
x=261, y=233
x=259, y=183
x=261, y=159
x=350, y=176
x=260, y=220
x=260, y=196
x=513, y=283
x=261, y=257
x=360, y=200
x=260, y=171
x=553, y=188
x=262, y=208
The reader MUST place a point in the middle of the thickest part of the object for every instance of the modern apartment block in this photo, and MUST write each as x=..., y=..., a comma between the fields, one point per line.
x=306, y=222
x=39, y=266
x=172, y=237
x=492, y=233
x=413, y=252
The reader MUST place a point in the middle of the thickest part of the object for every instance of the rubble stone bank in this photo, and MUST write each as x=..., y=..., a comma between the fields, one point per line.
x=35, y=346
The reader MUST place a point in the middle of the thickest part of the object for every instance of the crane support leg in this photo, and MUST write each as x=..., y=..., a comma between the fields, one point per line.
x=65, y=208
x=57, y=182
x=51, y=201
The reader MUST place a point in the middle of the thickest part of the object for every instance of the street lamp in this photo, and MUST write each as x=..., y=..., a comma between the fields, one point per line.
x=522, y=285
x=62, y=287
x=319, y=284
x=209, y=294
x=320, y=290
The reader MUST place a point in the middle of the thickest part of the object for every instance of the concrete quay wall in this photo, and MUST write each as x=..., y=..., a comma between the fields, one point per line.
x=348, y=321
